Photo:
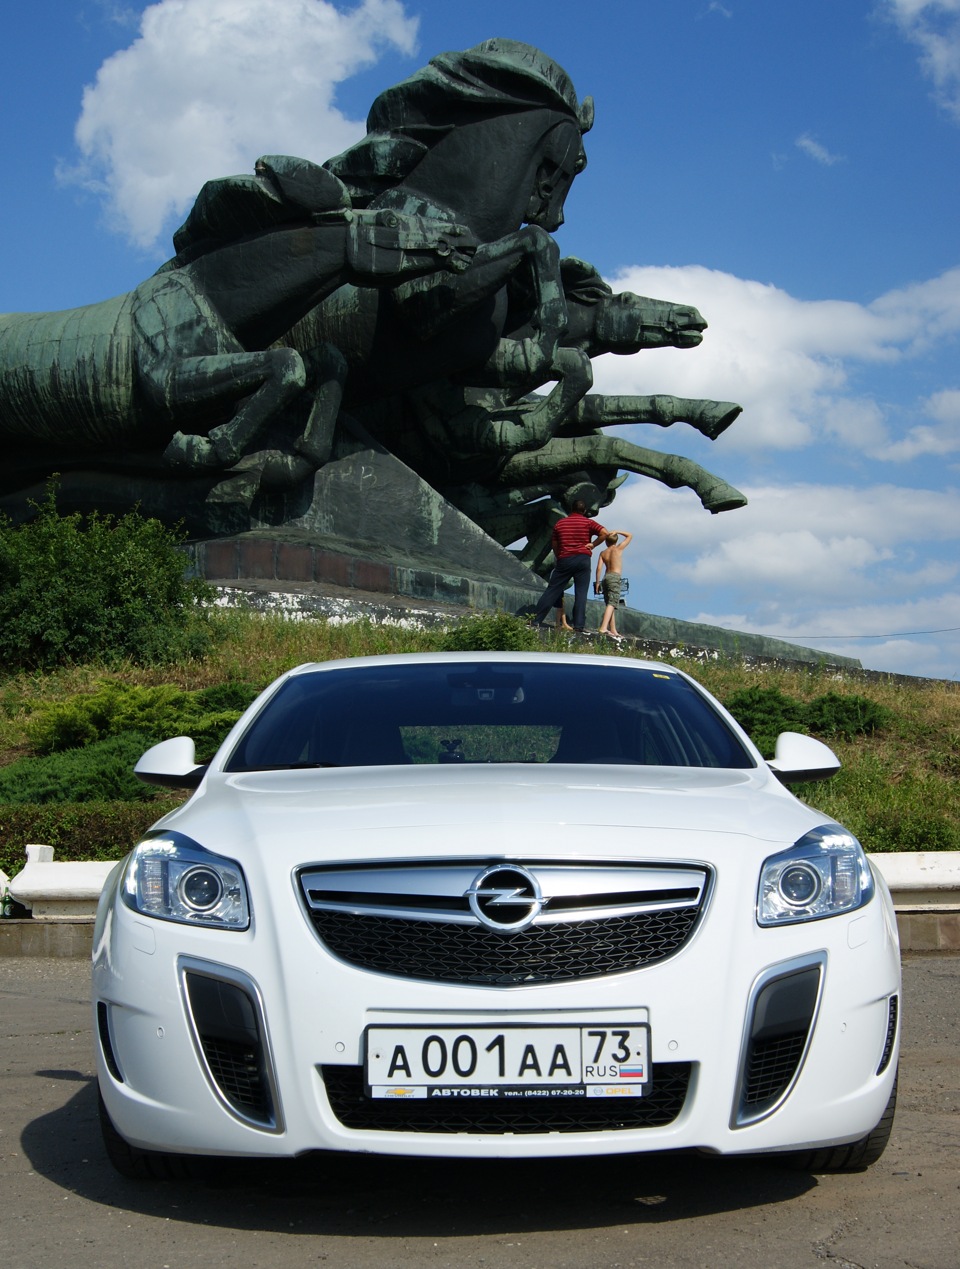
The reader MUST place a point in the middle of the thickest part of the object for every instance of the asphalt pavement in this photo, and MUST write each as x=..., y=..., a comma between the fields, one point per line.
x=61, y=1201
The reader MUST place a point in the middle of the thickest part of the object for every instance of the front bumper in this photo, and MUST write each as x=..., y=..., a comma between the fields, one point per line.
x=252, y=1044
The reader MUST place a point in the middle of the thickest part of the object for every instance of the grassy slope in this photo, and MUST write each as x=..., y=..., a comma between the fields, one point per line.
x=897, y=790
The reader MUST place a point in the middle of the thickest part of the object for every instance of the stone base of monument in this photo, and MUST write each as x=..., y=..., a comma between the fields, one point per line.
x=412, y=549
x=368, y=523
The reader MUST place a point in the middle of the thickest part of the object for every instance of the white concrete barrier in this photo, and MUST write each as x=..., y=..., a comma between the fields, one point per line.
x=59, y=892
x=922, y=879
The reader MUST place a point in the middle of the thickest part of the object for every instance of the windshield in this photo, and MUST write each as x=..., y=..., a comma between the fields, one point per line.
x=429, y=712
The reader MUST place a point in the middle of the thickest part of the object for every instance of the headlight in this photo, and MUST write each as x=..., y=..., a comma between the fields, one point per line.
x=173, y=878
x=824, y=874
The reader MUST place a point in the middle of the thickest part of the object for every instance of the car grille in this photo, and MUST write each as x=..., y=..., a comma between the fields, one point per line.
x=458, y=954
x=415, y=920
x=345, y=1091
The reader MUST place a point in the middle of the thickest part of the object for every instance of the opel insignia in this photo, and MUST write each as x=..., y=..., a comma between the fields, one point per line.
x=493, y=904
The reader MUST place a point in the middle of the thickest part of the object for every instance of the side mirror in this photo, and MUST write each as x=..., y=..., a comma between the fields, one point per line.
x=800, y=758
x=172, y=764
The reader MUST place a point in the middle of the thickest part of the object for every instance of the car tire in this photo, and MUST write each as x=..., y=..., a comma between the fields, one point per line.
x=855, y=1156
x=141, y=1165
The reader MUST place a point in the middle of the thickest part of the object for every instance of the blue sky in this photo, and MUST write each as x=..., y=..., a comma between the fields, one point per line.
x=792, y=168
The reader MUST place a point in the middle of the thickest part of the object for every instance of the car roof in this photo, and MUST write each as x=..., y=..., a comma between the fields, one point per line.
x=472, y=658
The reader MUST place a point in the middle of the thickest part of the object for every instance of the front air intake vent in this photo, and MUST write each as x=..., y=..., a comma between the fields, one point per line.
x=230, y=1036
x=106, y=1044
x=780, y=1017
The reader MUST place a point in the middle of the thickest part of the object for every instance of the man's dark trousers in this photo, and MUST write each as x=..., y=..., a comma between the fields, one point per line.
x=576, y=567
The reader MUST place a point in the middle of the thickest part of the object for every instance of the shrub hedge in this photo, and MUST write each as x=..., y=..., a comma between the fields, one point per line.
x=491, y=632
x=116, y=708
x=97, y=589
x=99, y=772
x=79, y=831
x=764, y=712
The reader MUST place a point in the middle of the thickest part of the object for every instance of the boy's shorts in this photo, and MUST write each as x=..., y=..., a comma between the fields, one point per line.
x=610, y=585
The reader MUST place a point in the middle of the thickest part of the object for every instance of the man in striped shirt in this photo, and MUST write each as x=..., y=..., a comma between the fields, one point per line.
x=574, y=538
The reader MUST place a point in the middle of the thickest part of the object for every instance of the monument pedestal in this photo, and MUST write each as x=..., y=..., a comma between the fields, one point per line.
x=403, y=538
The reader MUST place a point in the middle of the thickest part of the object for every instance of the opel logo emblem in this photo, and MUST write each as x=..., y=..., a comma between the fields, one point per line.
x=505, y=897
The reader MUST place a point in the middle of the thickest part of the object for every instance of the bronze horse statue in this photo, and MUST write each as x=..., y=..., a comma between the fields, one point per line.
x=410, y=286
x=488, y=140
x=493, y=138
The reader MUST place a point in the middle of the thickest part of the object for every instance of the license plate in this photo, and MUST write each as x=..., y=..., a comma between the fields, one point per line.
x=595, y=1060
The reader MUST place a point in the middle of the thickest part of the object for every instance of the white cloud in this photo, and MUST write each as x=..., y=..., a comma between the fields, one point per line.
x=890, y=517
x=918, y=316
x=933, y=651
x=789, y=362
x=796, y=547
x=860, y=570
x=854, y=422
x=819, y=153
x=941, y=438
x=209, y=85
x=934, y=27
x=786, y=559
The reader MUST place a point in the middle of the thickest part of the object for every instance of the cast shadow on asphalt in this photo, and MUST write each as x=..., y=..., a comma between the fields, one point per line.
x=379, y=1196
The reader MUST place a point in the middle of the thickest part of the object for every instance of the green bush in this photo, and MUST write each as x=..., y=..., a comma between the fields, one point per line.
x=846, y=716
x=97, y=589
x=763, y=713
x=491, y=632
x=227, y=697
x=155, y=712
x=99, y=772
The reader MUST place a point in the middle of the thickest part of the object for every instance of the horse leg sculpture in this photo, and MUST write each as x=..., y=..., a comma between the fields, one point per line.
x=569, y=454
x=523, y=363
x=170, y=313
x=271, y=379
x=709, y=418
x=327, y=368
x=533, y=421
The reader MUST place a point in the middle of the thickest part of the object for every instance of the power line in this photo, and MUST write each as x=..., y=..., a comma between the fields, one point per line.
x=904, y=634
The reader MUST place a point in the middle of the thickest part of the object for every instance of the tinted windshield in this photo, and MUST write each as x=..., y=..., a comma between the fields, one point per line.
x=487, y=712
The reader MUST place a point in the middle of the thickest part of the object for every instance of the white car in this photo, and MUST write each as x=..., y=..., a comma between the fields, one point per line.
x=494, y=904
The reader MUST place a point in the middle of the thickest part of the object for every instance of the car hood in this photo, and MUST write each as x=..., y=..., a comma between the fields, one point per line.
x=360, y=811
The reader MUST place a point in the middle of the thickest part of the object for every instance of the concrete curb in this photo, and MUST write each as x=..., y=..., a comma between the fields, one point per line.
x=63, y=898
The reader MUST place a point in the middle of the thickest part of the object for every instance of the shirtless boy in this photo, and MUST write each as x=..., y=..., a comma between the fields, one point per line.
x=609, y=558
